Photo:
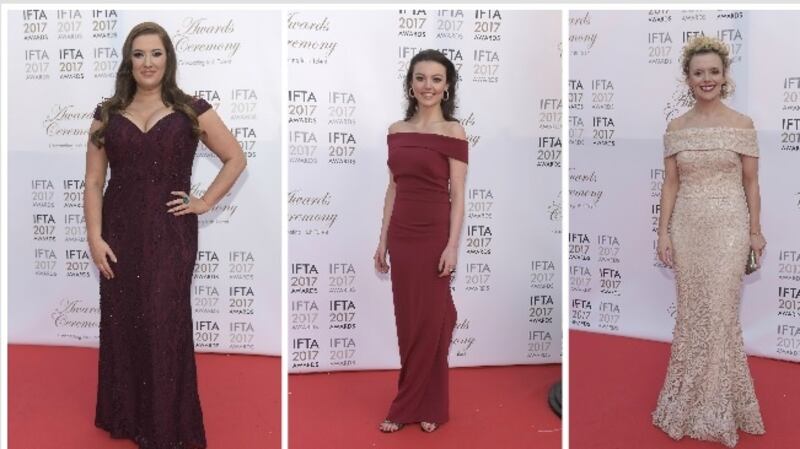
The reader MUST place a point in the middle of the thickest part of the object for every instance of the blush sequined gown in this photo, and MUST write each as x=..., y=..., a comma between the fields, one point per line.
x=418, y=232
x=708, y=393
x=147, y=386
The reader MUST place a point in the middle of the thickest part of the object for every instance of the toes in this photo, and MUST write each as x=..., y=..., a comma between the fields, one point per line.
x=389, y=426
x=428, y=426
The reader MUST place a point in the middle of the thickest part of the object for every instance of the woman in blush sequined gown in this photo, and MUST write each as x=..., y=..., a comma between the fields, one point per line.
x=422, y=218
x=710, y=207
x=142, y=235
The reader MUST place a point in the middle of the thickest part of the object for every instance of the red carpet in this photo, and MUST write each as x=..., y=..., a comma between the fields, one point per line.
x=51, y=399
x=614, y=383
x=490, y=408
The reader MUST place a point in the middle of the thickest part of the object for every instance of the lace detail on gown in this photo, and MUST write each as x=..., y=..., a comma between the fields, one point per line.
x=708, y=393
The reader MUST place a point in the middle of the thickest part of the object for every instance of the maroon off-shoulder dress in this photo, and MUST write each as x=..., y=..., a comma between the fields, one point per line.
x=147, y=385
x=418, y=232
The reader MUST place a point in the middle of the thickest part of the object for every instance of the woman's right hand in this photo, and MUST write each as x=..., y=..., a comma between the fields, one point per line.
x=665, y=250
x=380, y=259
x=101, y=253
x=757, y=244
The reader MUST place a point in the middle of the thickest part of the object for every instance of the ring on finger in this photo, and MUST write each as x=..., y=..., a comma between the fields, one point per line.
x=185, y=200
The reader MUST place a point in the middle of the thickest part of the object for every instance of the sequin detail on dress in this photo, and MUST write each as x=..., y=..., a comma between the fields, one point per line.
x=147, y=385
x=708, y=393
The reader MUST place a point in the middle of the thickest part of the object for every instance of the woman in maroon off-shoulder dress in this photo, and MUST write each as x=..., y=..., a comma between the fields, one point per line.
x=142, y=235
x=422, y=217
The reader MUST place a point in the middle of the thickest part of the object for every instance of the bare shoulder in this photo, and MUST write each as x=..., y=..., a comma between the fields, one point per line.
x=454, y=129
x=739, y=120
x=677, y=123
x=398, y=127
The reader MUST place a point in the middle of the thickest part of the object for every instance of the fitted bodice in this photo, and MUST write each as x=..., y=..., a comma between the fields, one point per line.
x=162, y=154
x=145, y=168
x=420, y=167
x=709, y=162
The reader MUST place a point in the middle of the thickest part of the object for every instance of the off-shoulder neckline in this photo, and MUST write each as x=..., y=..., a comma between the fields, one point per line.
x=429, y=134
x=701, y=128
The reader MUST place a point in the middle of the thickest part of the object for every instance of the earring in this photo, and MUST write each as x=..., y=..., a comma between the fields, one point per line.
x=410, y=92
x=446, y=95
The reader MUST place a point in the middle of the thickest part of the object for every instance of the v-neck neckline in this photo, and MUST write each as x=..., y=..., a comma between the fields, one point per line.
x=145, y=132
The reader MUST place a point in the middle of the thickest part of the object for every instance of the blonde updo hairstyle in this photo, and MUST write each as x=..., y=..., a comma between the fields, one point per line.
x=704, y=44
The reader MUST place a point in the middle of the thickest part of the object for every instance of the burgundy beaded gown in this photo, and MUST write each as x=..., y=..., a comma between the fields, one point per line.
x=147, y=386
x=424, y=311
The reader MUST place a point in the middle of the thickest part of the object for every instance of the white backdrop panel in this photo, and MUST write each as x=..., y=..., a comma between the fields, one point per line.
x=625, y=84
x=344, y=91
x=61, y=65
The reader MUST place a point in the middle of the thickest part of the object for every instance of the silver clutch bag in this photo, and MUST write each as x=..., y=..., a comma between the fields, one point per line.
x=751, y=264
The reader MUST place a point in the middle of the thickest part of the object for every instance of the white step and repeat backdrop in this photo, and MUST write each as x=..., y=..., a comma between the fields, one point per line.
x=61, y=64
x=346, y=73
x=625, y=84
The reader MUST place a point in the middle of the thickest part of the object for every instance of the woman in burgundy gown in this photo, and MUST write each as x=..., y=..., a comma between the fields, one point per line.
x=422, y=218
x=143, y=238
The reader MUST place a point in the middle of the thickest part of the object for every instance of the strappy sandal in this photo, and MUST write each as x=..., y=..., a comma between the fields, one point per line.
x=390, y=426
x=428, y=426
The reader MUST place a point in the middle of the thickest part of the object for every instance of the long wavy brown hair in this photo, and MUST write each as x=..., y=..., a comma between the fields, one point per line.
x=451, y=76
x=125, y=84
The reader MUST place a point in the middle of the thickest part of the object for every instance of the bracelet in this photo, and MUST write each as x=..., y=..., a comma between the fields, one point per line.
x=757, y=233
